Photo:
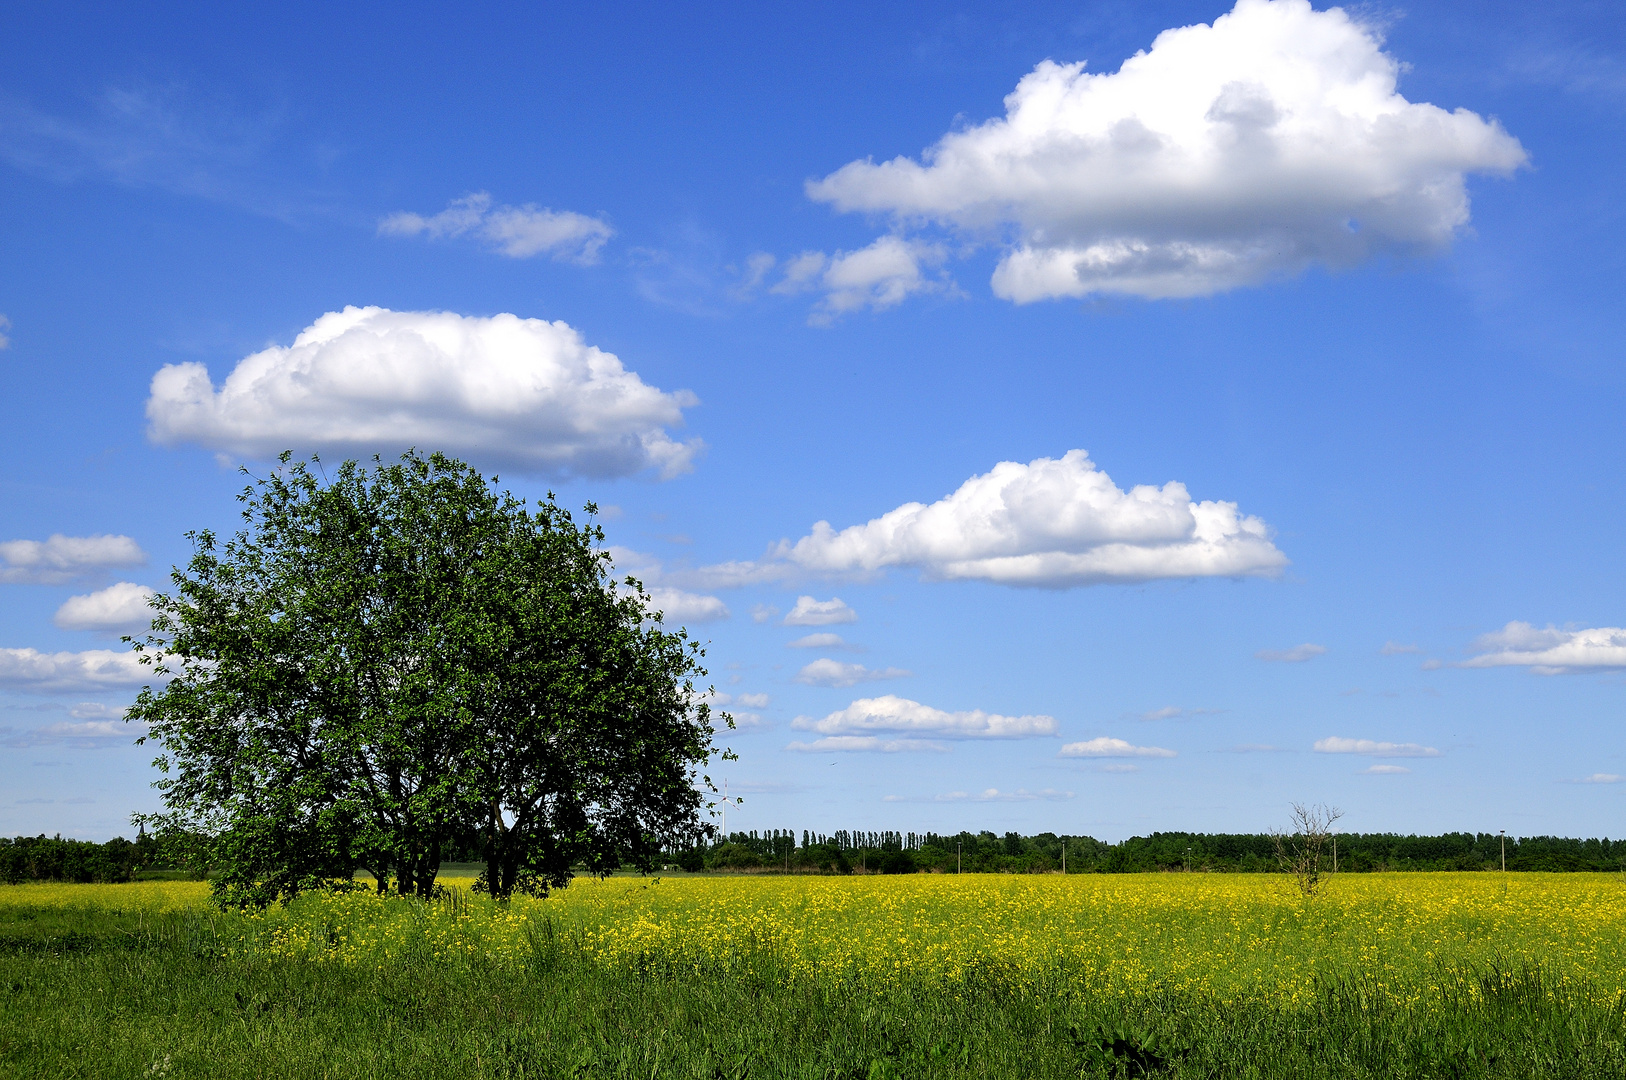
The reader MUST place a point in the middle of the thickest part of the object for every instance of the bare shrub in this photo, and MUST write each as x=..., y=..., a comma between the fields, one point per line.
x=1300, y=851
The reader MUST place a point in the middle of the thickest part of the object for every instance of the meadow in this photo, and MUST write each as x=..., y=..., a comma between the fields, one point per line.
x=1426, y=975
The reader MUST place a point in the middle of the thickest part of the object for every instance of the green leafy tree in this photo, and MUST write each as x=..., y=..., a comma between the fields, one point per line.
x=381, y=666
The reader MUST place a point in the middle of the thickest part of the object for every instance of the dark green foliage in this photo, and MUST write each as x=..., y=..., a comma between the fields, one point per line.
x=386, y=668
x=108, y=995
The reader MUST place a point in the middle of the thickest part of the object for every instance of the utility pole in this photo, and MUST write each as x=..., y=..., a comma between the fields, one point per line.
x=1504, y=849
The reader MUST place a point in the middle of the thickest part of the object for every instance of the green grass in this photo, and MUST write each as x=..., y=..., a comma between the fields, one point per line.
x=96, y=993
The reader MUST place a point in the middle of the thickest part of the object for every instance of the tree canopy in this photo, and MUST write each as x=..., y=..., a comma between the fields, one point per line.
x=402, y=659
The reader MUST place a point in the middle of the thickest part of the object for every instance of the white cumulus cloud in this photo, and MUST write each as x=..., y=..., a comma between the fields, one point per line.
x=1298, y=654
x=893, y=715
x=71, y=672
x=1551, y=651
x=1370, y=748
x=60, y=559
x=1053, y=523
x=1224, y=155
x=1109, y=747
x=827, y=672
x=522, y=393
x=519, y=232
x=811, y=612
x=121, y=607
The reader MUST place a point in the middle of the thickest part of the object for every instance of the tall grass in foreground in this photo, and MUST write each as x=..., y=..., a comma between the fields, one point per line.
x=148, y=982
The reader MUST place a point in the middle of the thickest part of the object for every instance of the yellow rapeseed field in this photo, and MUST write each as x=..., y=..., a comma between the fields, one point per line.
x=1228, y=935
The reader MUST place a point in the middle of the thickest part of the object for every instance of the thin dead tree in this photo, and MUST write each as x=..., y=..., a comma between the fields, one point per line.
x=1300, y=851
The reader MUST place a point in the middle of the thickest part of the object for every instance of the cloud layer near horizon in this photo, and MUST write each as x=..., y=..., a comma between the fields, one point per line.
x=1053, y=523
x=1224, y=155
x=517, y=393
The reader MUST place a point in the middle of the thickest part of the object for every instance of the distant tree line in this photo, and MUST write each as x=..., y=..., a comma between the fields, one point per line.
x=51, y=858
x=985, y=852
x=42, y=858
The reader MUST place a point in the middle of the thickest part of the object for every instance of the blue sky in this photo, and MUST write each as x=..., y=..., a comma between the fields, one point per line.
x=1330, y=300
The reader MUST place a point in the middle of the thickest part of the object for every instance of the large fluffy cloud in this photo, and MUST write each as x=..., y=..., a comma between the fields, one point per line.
x=521, y=393
x=71, y=672
x=896, y=716
x=60, y=559
x=118, y=607
x=1551, y=651
x=1223, y=155
x=1052, y=522
x=519, y=232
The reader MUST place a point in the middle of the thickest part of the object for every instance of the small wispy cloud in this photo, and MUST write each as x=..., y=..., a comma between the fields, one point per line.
x=811, y=612
x=880, y=276
x=989, y=795
x=827, y=672
x=1385, y=770
x=519, y=232
x=1372, y=748
x=1395, y=648
x=1298, y=654
x=823, y=641
x=1173, y=712
x=1113, y=748
x=840, y=744
x=1597, y=778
